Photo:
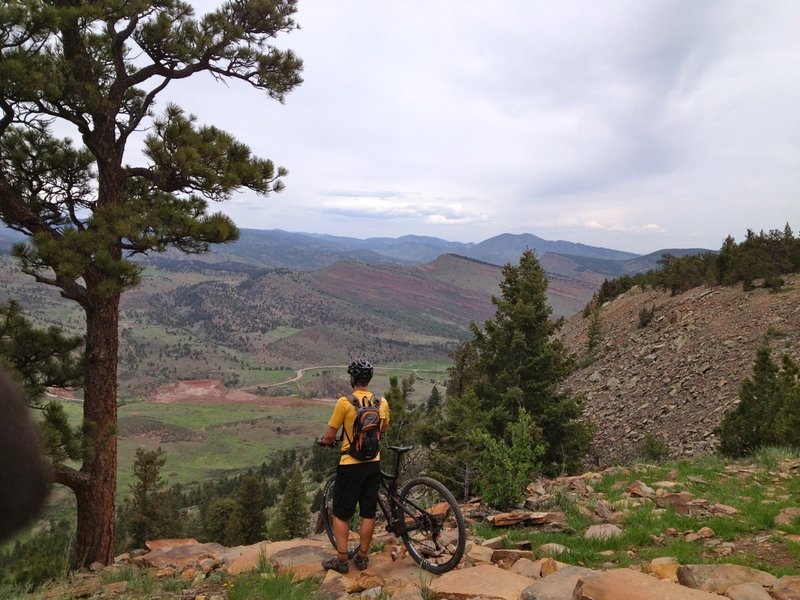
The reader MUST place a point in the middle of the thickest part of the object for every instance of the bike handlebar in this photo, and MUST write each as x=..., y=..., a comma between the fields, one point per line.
x=319, y=442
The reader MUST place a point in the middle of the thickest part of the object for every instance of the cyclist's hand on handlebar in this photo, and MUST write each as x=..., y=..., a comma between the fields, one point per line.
x=321, y=442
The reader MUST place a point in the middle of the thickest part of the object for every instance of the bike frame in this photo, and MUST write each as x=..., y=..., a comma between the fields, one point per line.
x=405, y=506
x=393, y=509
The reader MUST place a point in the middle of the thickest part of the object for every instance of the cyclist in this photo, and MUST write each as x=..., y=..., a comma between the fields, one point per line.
x=357, y=481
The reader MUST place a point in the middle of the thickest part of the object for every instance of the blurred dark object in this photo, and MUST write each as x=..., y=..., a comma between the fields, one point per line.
x=24, y=477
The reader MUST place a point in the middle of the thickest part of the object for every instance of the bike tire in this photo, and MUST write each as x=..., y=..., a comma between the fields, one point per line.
x=433, y=528
x=327, y=518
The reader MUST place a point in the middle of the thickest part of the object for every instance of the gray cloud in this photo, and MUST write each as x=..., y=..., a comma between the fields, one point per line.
x=627, y=124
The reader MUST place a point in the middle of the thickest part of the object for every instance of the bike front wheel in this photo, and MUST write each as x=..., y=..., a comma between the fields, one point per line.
x=432, y=526
x=327, y=519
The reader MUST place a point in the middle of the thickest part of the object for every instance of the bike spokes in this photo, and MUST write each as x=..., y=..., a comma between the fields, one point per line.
x=433, y=526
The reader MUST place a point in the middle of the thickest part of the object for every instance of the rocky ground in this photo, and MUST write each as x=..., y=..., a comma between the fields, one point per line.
x=676, y=377
x=508, y=565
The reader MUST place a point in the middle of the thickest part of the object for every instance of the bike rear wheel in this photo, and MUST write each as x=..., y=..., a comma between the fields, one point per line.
x=327, y=519
x=432, y=527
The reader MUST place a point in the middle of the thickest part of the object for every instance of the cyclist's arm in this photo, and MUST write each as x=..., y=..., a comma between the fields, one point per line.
x=330, y=435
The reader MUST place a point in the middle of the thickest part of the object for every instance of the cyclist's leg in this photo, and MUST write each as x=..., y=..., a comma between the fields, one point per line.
x=341, y=530
x=368, y=506
x=365, y=532
x=345, y=497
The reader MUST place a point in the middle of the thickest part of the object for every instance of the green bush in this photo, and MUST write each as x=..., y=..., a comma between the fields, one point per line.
x=645, y=316
x=45, y=556
x=595, y=330
x=768, y=413
x=653, y=449
x=506, y=468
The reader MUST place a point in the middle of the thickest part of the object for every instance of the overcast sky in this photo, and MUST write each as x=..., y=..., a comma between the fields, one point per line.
x=635, y=125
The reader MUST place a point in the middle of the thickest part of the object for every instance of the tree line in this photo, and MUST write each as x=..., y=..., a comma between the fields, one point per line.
x=765, y=256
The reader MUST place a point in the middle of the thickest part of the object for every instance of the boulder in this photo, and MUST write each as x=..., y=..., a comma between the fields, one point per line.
x=551, y=549
x=246, y=558
x=181, y=556
x=626, y=584
x=787, y=516
x=527, y=568
x=787, y=588
x=487, y=582
x=718, y=578
x=603, y=532
x=747, y=591
x=558, y=586
x=664, y=567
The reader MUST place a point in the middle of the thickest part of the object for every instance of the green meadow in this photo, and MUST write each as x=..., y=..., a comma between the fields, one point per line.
x=206, y=441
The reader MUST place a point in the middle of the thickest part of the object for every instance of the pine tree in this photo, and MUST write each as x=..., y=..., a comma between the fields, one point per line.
x=463, y=370
x=521, y=365
x=250, y=509
x=750, y=425
x=453, y=455
x=291, y=518
x=40, y=359
x=403, y=415
x=147, y=513
x=787, y=421
x=98, y=67
x=507, y=467
x=218, y=515
x=434, y=400
x=595, y=330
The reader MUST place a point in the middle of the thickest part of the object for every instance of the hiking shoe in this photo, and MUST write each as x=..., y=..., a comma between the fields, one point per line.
x=335, y=564
x=361, y=563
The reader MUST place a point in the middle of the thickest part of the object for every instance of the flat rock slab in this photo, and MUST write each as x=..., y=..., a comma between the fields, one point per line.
x=558, y=586
x=247, y=558
x=718, y=578
x=626, y=584
x=290, y=557
x=484, y=581
x=170, y=543
x=396, y=572
x=748, y=591
x=787, y=588
x=180, y=556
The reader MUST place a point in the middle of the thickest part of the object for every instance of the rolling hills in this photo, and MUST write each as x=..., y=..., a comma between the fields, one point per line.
x=276, y=300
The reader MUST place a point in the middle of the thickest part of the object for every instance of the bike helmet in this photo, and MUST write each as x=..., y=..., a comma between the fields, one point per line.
x=360, y=370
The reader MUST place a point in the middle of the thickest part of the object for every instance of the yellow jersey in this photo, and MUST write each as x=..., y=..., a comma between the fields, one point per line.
x=344, y=414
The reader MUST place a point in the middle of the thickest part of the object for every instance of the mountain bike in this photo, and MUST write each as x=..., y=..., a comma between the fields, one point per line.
x=422, y=512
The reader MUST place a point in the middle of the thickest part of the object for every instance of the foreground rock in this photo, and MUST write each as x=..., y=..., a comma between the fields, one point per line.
x=486, y=573
x=487, y=581
x=626, y=584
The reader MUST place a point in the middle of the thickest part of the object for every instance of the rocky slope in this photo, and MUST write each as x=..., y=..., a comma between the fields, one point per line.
x=676, y=377
x=510, y=566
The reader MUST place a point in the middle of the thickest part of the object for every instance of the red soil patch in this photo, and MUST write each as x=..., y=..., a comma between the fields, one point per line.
x=212, y=391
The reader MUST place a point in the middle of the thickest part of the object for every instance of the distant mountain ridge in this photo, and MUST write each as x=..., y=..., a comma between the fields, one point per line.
x=300, y=251
x=575, y=270
x=295, y=250
x=276, y=298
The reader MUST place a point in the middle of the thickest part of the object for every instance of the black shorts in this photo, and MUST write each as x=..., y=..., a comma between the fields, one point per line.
x=357, y=484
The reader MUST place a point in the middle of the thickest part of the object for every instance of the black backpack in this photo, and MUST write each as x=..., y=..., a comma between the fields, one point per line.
x=366, y=429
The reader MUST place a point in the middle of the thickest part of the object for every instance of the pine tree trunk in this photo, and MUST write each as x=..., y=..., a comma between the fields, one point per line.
x=96, y=498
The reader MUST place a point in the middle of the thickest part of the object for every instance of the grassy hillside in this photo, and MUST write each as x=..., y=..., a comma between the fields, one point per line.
x=248, y=329
x=207, y=439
